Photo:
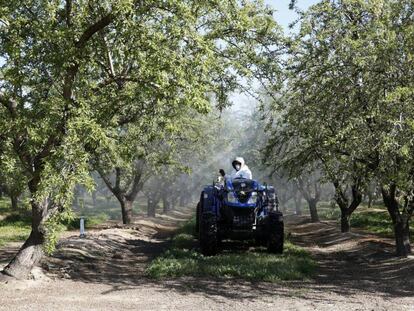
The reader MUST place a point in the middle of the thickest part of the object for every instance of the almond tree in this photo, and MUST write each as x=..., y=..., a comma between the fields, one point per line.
x=74, y=72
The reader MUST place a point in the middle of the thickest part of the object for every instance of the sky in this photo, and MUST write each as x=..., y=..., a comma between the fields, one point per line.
x=284, y=16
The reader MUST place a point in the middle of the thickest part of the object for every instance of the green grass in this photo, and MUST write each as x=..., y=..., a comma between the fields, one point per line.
x=255, y=264
x=4, y=205
x=375, y=219
x=90, y=221
x=111, y=208
x=14, y=228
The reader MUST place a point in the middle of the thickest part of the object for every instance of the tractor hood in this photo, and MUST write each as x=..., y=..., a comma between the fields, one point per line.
x=242, y=184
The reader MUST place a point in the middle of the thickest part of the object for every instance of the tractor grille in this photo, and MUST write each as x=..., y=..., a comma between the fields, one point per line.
x=243, y=218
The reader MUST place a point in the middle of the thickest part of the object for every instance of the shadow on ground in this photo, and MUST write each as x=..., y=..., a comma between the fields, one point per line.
x=349, y=264
x=7, y=253
x=114, y=253
x=354, y=262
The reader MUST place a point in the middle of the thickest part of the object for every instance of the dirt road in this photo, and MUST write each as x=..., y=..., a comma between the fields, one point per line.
x=105, y=272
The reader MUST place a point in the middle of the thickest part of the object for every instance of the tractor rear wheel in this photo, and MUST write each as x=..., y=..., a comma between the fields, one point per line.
x=208, y=234
x=276, y=235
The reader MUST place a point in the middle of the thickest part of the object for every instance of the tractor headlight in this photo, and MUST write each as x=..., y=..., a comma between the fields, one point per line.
x=253, y=198
x=231, y=198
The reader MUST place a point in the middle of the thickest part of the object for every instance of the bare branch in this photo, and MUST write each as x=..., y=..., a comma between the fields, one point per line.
x=109, y=58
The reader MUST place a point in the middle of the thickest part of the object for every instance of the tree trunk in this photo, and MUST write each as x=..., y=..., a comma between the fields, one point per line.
x=173, y=203
x=14, y=202
x=402, y=238
x=166, y=204
x=369, y=200
x=183, y=200
x=75, y=201
x=282, y=201
x=313, y=211
x=151, y=208
x=342, y=199
x=126, y=208
x=345, y=223
x=401, y=222
x=306, y=191
x=31, y=252
x=94, y=198
x=298, y=203
x=401, y=233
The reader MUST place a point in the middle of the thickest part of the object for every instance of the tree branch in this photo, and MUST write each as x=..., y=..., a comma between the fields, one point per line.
x=68, y=12
x=94, y=28
x=106, y=180
x=10, y=105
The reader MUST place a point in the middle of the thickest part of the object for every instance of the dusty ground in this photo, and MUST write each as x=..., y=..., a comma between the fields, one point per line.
x=105, y=272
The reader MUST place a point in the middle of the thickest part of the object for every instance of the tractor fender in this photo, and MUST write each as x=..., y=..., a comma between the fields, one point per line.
x=208, y=201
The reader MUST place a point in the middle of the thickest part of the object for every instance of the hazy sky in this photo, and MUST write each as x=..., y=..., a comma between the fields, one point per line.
x=284, y=16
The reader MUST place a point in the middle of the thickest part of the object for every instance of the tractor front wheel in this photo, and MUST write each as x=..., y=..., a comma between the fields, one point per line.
x=197, y=224
x=208, y=234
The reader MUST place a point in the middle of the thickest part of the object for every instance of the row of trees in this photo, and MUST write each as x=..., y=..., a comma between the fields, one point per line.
x=99, y=85
x=346, y=109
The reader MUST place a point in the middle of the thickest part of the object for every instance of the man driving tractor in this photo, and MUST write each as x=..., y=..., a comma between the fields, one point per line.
x=242, y=170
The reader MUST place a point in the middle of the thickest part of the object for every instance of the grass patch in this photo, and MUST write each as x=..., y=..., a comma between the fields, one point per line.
x=90, y=221
x=375, y=219
x=14, y=228
x=111, y=208
x=4, y=205
x=328, y=212
x=255, y=264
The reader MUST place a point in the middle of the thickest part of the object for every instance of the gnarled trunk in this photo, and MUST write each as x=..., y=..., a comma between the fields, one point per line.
x=126, y=208
x=313, y=210
x=166, y=204
x=151, y=208
x=298, y=204
x=306, y=190
x=401, y=221
x=402, y=238
x=94, y=198
x=183, y=200
x=14, y=202
x=173, y=203
x=31, y=252
x=342, y=199
x=370, y=199
x=345, y=221
x=125, y=195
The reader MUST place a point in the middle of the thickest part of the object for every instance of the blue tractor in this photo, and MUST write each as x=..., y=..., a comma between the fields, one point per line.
x=239, y=209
